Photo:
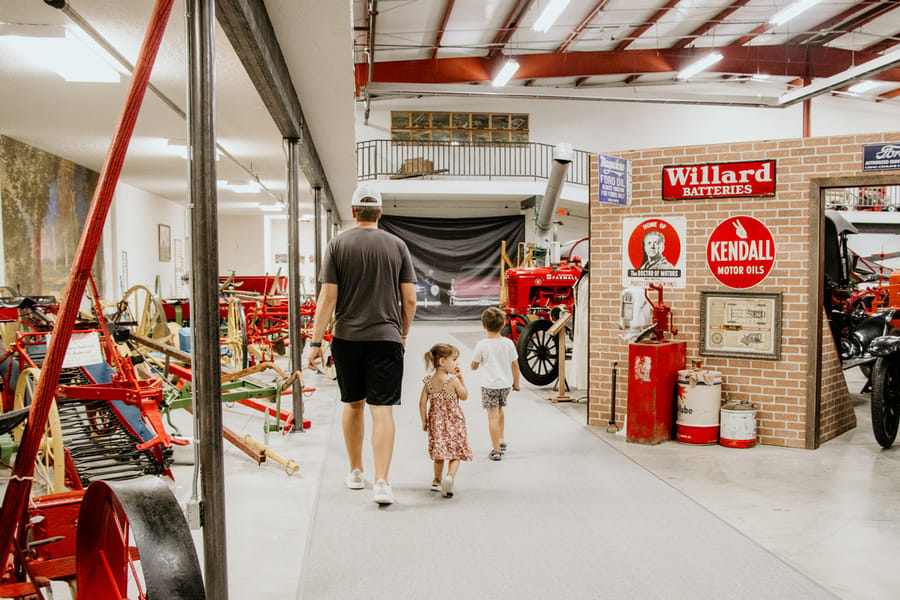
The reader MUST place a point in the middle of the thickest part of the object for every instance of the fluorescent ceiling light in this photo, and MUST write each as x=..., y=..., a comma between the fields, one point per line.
x=548, y=17
x=761, y=77
x=271, y=207
x=790, y=11
x=68, y=52
x=509, y=69
x=864, y=86
x=821, y=86
x=701, y=65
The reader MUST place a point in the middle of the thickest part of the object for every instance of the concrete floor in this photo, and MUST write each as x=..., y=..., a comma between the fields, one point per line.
x=832, y=514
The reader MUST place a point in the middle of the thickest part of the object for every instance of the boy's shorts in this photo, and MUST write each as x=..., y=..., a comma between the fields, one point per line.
x=371, y=370
x=493, y=397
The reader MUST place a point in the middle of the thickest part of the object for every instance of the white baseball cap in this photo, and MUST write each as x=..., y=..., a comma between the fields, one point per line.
x=366, y=195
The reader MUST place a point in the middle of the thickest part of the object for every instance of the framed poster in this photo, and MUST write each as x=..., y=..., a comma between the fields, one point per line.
x=740, y=324
x=165, y=243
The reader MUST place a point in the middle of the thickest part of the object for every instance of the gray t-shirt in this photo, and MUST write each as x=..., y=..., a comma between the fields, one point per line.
x=368, y=265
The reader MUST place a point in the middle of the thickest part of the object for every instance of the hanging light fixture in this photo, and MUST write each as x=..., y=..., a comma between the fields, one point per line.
x=549, y=15
x=700, y=65
x=506, y=72
x=790, y=11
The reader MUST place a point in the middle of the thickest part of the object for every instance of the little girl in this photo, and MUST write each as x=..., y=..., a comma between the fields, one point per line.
x=442, y=416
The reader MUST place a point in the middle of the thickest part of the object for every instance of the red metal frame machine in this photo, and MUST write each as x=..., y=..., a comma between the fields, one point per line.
x=653, y=367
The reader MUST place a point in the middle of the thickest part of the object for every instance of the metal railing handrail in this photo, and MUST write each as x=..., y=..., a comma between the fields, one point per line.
x=401, y=160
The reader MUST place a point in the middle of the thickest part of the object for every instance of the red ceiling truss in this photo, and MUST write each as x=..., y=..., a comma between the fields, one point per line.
x=788, y=61
x=802, y=57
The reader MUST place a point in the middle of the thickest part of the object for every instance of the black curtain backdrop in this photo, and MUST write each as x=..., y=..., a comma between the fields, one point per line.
x=457, y=261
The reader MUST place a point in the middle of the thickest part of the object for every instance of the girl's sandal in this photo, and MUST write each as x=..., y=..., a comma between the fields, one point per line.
x=494, y=455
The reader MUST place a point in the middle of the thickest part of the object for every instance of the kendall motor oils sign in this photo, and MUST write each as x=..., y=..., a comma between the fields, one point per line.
x=740, y=252
x=719, y=180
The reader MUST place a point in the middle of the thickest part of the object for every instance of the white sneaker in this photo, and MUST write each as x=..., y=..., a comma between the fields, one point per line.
x=447, y=486
x=354, y=480
x=383, y=493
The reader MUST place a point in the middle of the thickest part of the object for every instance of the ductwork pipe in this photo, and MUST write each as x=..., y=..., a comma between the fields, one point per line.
x=563, y=155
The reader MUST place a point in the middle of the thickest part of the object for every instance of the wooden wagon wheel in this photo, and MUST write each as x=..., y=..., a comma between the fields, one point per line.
x=49, y=467
x=142, y=309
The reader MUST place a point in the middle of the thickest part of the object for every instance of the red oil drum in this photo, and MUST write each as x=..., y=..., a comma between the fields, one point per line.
x=699, y=403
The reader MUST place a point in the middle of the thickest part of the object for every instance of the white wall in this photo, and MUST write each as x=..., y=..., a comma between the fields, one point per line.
x=242, y=244
x=131, y=242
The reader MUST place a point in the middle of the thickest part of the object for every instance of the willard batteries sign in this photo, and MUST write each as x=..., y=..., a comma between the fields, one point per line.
x=740, y=252
x=719, y=180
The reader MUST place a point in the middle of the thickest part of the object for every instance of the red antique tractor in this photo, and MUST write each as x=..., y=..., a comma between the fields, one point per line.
x=533, y=298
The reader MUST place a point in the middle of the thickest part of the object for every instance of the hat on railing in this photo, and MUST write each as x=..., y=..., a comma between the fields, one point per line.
x=366, y=195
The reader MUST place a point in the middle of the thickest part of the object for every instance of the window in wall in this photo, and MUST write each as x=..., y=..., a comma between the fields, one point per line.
x=459, y=127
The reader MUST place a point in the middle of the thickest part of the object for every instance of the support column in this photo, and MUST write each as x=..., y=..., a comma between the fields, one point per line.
x=295, y=339
x=206, y=365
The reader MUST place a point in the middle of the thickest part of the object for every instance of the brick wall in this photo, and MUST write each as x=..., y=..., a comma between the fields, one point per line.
x=780, y=388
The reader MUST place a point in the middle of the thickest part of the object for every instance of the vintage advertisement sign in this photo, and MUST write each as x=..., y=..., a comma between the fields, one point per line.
x=653, y=251
x=613, y=180
x=881, y=157
x=719, y=180
x=740, y=252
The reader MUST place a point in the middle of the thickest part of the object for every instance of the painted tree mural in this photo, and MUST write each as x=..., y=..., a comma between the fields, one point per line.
x=44, y=201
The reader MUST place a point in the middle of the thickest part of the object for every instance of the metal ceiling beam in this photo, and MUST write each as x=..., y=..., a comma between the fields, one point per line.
x=882, y=45
x=249, y=30
x=448, y=8
x=786, y=61
x=716, y=20
x=829, y=24
x=638, y=32
x=509, y=27
x=573, y=35
x=867, y=17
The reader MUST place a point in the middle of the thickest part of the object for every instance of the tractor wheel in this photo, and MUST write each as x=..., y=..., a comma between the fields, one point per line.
x=538, y=353
x=133, y=542
x=885, y=400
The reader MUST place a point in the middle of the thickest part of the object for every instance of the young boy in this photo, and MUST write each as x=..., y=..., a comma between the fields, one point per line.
x=499, y=361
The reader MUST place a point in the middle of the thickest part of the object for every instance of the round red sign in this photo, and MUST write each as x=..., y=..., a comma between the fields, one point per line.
x=740, y=252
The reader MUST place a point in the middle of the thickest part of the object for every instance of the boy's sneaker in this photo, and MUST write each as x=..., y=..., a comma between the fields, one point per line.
x=495, y=455
x=447, y=487
x=502, y=447
x=383, y=493
x=354, y=480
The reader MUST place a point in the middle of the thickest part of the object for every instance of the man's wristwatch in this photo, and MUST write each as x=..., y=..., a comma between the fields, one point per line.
x=315, y=344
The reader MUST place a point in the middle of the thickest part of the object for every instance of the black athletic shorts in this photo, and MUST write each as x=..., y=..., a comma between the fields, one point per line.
x=369, y=370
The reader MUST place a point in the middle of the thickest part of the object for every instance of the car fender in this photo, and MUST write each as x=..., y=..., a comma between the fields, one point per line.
x=884, y=345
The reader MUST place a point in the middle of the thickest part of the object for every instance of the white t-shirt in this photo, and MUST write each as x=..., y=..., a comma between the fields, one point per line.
x=495, y=357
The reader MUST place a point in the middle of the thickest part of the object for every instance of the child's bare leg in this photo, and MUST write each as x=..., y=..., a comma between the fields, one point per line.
x=500, y=424
x=495, y=427
x=438, y=469
x=452, y=468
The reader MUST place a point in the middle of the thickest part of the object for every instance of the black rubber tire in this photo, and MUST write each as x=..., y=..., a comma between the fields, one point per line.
x=538, y=353
x=885, y=403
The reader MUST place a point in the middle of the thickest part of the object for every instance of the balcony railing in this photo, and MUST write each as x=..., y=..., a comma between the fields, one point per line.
x=492, y=160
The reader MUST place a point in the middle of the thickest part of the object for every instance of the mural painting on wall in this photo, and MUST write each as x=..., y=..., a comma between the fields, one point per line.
x=653, y=251
x=44, y=201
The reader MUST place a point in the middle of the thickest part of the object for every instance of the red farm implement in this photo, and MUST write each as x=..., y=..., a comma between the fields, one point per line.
x=117, y=539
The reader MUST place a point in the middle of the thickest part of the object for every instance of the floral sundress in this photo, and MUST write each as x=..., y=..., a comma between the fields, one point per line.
x=447, y=437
